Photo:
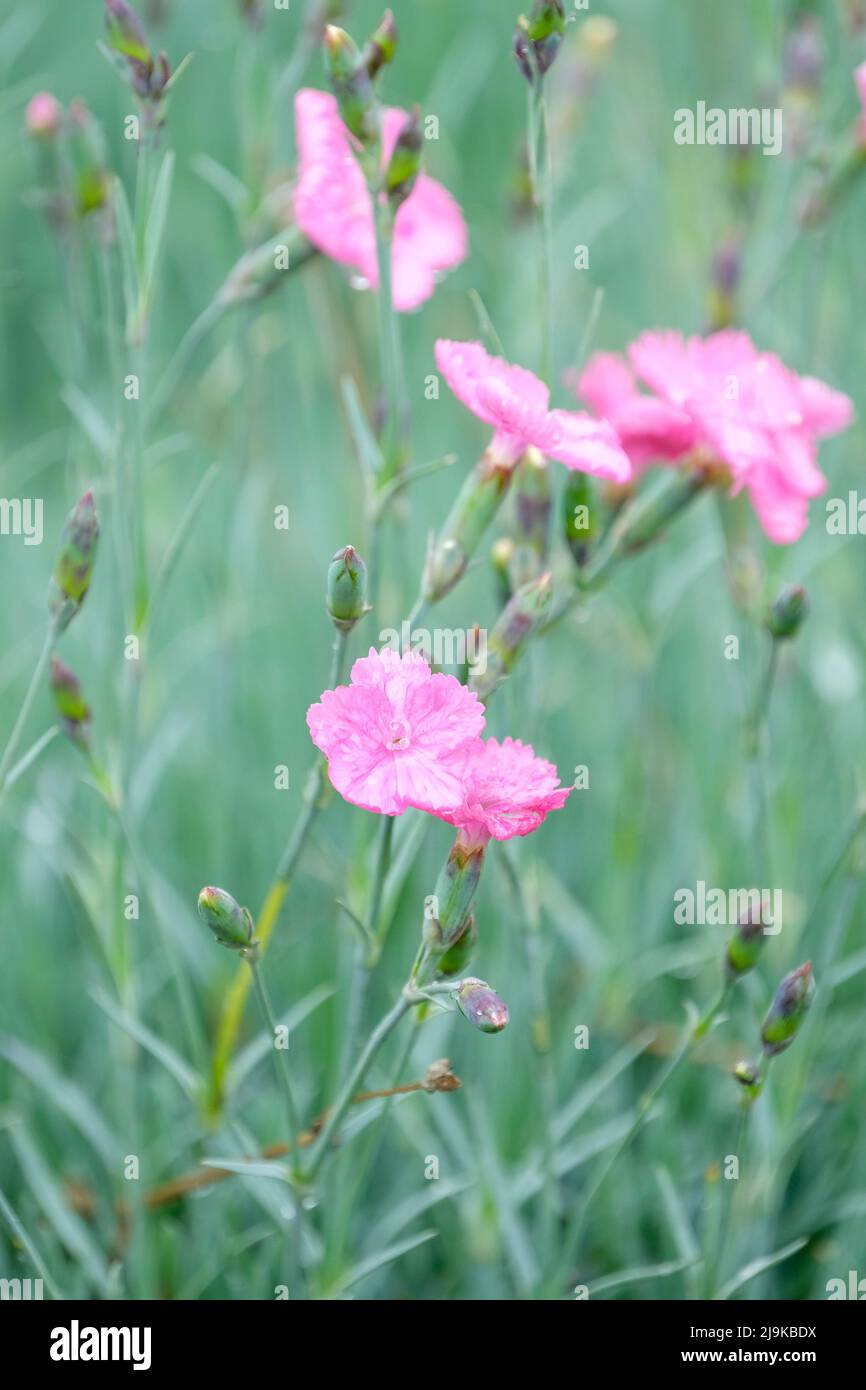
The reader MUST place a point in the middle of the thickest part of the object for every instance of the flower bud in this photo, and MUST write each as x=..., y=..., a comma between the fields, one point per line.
x=474, y=508
x=579, y=516
x=230, y=923
x=501, y=557
x=453, y=894
x=789, y=612
x=346, y=599
x=457, y=957
x=381, y=46
x=351, y=85
x=481, y=1005
x=537, y=39
x=72, y=709
x=749, y=1077
x=74, y=567
x=788, y=1009
x=125, y=32
x=532, y=505
x=522, y=616
x=43, y=116
x=404, y=165
x=746, y=943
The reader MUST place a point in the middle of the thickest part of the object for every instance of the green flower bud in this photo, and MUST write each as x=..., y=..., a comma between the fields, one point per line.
x=532, y=505
x=476, y=505
x=351, y=85
x=746, y=944
x=74, y=567
x=789, y=612
x=749, y=1077
x=72, y=709
x=788, y=1009
x=404, y=165
x=579, y=514
x=481, y=1005
x=230, y=923
x=537, y=39
x=520, y=619
x=501, y=557
x=457, y=956
x=347, y=589
x=381, y=46
x=125, y=32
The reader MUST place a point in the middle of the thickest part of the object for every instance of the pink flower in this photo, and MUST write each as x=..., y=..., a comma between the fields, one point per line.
x=517, y=405
x=860, y=82
x=648, y=428
x=397, y=736
x=507, y=791
x=334, y=208
x=744, y=408
x=43, y=115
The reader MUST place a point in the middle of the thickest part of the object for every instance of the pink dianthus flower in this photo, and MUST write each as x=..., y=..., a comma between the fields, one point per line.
x=507, y=791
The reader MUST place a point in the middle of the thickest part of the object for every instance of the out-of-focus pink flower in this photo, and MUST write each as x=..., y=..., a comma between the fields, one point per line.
x=507, y=791
x=517, y=406
x=648, y=428
x=860, y=82
x=334, y=208
x=397, y=736
x=743, y=408
x=43, y=115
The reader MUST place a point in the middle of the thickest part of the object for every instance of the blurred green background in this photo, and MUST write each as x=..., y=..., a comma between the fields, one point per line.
x=635, y=685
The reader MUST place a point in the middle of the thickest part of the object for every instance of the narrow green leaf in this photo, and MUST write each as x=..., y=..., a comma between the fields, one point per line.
x=161, y=1051
x=384, y=1257
x=755, y=1267
x=66, y=1097
x=67, y=1226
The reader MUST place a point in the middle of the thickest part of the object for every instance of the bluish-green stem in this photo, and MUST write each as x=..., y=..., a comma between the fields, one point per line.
x=395, y=431
x=368, y=949
x=36, y=681
x=538, y=145
x=715, y=1255
x=756, y=754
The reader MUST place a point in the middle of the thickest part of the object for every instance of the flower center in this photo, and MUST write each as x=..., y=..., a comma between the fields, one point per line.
x=400, y=732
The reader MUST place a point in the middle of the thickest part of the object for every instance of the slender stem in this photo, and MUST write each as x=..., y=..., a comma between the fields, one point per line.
x=390, y=351
x=235, y=1000
x=33, y=752
x=280, y=1062
x=714, y=1267
x=378, y=1036
x=35, y=682
x=538, y=144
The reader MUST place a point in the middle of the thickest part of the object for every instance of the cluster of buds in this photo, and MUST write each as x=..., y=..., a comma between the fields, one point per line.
x=521, y=618
x=784, y=1019
x=73, y=712
x=537, y=39
x=788, y=613
x=74, y=568
x=346, y=598
x=231, y=924
x=148, y=74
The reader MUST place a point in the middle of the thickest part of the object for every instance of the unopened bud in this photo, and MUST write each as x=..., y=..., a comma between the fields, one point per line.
x=125, y=32
x=788, y=1009
x=501, y=556
x=481, y=1005
x=746, y=943
x=43, y=116
x=381, y=46
x=749, y=1077
x=346, y=598
x=532, y=503
x=74, y=567
x=537, y=39
x=579, y=513
x=72, y=709
x=789, y=612
x=230, y=923
x=457, y=957
x=404, y=165
x=476, y=505
x=522, y=616
x=351, y=85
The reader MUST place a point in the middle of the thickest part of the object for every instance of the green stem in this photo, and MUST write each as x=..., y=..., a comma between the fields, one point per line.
x=33, y=752
x=538, y=144
x=380, y=1033
x=395, y=431
x=35, y=682
x=282, y=1067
